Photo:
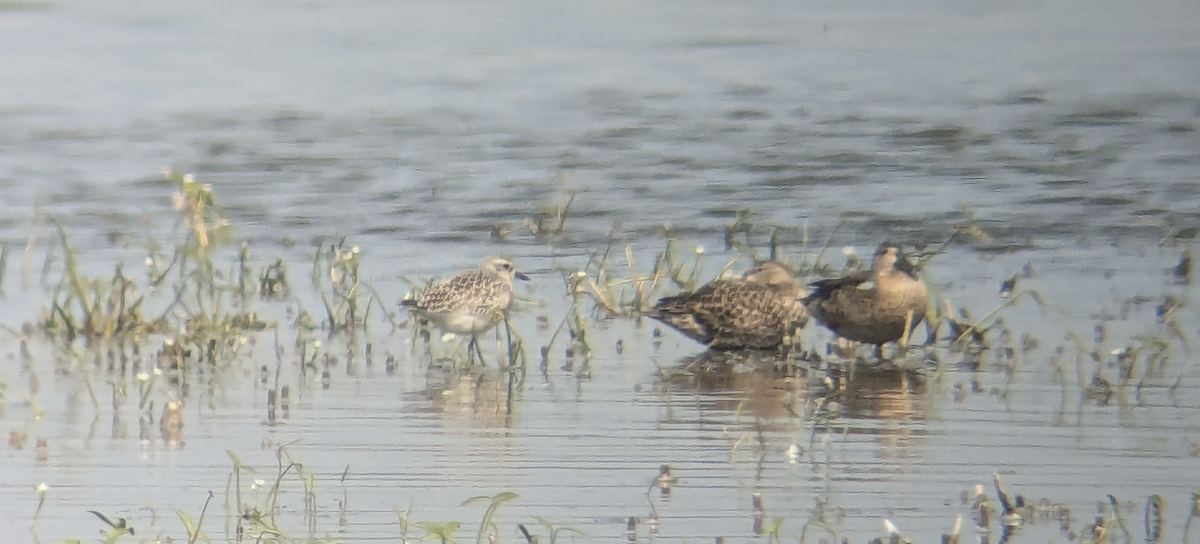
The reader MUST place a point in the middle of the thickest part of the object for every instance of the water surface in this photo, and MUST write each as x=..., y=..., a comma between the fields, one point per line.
x=1067, y=128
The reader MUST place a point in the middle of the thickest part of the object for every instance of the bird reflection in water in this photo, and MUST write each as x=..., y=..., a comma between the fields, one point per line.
x=886, y=393
x=894, y=396
x=468, y=398
x=771, y=389
x=171, y=422
x=755, y=381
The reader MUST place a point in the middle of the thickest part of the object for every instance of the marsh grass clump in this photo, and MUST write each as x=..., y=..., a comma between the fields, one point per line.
x=205, y=302
x=94, y=308
x=1107, y=525
x=116, y=529
x=630, y=294
x=257, y=515
x=574, y=323
x=279, y=505
x=205, y=312
x=549, y=221
x=212, y=300
x=261, y=507
x=255, y=507
x=273, y=282
x=1122, y=370
x=965, y=331
x=615, y=294
x=552, y=531
x=347, y=300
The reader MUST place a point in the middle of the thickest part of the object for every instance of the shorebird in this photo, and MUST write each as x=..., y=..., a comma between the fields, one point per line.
x=757, y=311
x=470, y=302
x=875, y=306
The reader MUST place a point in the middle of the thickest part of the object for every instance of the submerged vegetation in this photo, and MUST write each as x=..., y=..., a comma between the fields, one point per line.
x=203, y=302
x=255, y=500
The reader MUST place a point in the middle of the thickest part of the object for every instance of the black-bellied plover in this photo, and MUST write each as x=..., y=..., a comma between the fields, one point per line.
x=757, y=311
x=470, y=302
x=873, y=306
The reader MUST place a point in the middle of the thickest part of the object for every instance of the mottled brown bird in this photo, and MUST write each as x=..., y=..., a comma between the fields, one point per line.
x=756, y=311
x=872, y=306
x=470, y=302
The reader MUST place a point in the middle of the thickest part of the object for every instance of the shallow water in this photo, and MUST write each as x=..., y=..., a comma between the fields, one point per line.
x=1067, y=128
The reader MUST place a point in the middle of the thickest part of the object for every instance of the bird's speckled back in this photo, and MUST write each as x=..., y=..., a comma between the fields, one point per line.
x=757, y=311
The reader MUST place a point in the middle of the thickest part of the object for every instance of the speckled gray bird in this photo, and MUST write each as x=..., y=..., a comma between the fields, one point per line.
x=872, y=306
x=757, y=311
x=470, y=302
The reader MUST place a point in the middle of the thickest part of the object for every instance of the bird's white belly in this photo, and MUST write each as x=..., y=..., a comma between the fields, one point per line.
x=464, y=322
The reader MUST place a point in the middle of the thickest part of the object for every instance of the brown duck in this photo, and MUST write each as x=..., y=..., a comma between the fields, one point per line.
x=756, y=311
x=871, y=306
